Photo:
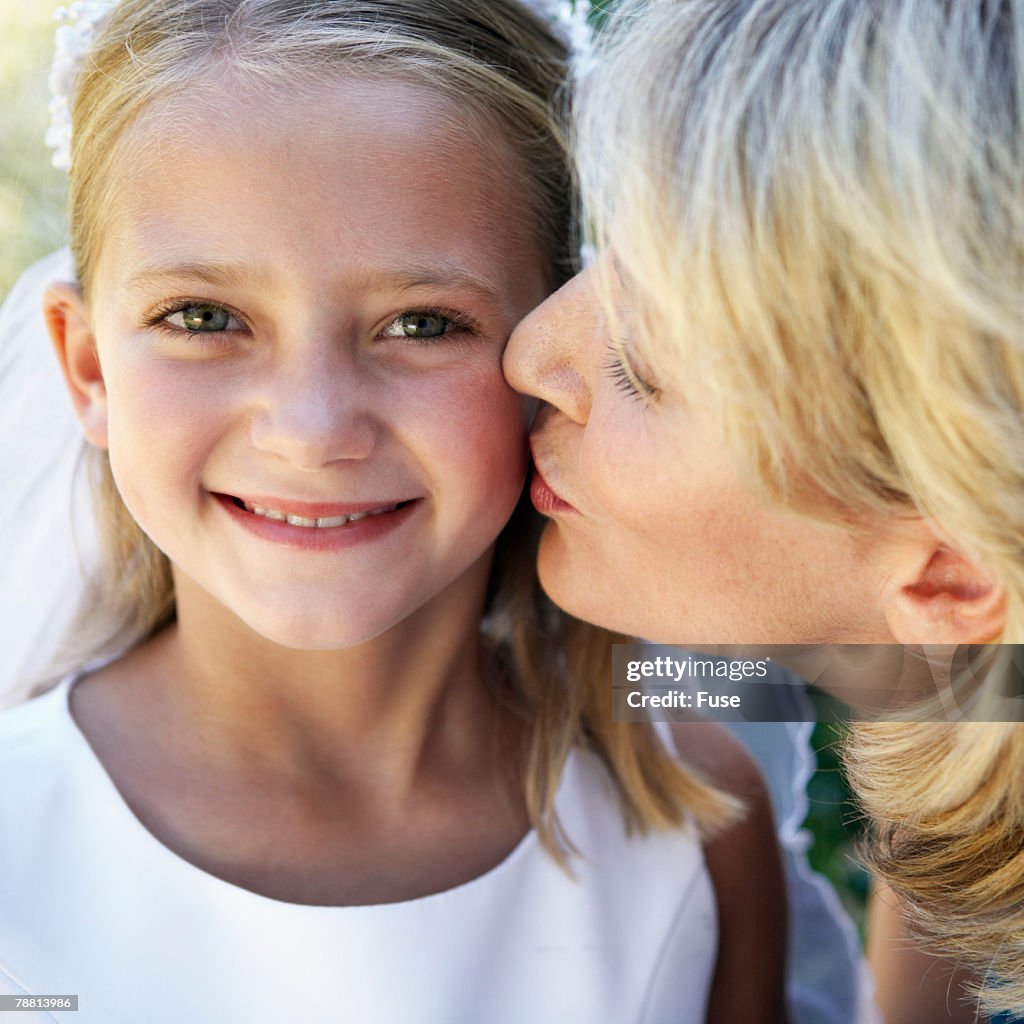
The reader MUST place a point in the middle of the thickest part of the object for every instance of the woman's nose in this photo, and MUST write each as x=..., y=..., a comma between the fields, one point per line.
x=314, y=408
x=550, y=353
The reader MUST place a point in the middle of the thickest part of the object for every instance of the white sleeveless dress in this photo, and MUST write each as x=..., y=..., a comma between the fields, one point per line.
x=92, y=904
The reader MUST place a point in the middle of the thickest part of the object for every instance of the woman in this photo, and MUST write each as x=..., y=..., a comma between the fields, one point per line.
x=797, y=368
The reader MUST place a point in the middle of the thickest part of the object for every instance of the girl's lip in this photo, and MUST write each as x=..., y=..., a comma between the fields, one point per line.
x=545, y=499
x=368, y=528
x=313, y=509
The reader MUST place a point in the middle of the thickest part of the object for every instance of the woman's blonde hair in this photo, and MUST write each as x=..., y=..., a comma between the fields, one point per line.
x=947, y=807
x=499, y=62
x=817, y=207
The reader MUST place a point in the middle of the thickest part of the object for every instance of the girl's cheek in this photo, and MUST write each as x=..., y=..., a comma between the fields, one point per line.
x=507, y=454
x=483, y=430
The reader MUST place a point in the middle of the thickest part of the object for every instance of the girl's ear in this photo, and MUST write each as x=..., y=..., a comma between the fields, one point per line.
x=940, y=596
x=75, y=345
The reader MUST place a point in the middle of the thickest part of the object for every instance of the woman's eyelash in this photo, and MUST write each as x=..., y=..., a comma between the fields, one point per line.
x=625, y=378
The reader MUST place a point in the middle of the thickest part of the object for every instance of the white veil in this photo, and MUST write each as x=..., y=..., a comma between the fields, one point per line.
x=47, y=530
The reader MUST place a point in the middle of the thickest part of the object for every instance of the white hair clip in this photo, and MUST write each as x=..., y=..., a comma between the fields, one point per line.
x=81, y=20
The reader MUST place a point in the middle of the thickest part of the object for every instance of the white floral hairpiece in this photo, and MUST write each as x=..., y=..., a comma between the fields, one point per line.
x=571, y=20
x=72, y=41
x=81, y=20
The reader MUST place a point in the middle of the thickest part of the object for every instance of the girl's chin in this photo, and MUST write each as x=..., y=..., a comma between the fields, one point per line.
x=340, y=631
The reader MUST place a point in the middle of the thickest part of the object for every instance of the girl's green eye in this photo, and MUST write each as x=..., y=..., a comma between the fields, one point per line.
x=202, y=318
x=417, y=325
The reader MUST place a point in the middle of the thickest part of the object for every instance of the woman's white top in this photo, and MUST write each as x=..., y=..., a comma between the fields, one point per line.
x=92, y=904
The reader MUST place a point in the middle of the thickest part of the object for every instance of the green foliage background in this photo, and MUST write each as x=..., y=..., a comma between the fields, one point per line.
x=835, y=823
x=31, y=191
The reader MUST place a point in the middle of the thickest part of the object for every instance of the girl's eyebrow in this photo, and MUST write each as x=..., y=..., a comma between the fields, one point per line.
x=241, y=274
x=439, y=277
x=210, y=272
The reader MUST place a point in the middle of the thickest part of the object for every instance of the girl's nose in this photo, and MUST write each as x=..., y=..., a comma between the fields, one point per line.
x=314, y=409
x=550, y=353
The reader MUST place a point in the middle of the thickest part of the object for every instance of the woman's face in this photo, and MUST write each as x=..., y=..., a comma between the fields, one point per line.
x=651, y=530
x=300, y=319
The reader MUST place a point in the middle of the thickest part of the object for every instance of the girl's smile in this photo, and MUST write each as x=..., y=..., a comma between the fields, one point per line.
x=318, y=526
x=298, y=354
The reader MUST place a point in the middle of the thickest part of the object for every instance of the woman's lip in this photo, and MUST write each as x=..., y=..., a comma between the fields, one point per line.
x=545, y=499
x=313, y=509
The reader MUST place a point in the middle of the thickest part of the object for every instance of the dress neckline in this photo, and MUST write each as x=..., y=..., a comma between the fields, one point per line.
x=137, y=840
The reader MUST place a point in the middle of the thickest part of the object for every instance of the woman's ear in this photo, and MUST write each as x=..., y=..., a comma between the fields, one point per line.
x=68, y=323
x=940, y=596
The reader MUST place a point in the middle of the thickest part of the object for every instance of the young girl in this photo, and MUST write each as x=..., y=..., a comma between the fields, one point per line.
x=291, y=777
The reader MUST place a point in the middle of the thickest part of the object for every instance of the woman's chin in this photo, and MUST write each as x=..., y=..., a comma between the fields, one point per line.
x=576, y=585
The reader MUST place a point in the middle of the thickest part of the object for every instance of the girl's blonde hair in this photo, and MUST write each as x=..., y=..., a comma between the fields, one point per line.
x=818, y=208
x=498, y=62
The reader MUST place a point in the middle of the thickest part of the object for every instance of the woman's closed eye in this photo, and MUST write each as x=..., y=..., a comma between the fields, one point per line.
x=625, y=377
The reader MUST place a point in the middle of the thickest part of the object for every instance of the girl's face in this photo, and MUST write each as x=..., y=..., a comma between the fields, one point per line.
x=299, y=308
x=652, y=532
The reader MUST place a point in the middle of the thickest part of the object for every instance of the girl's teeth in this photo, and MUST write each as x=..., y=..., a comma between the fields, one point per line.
x=332, y=520
x=321, y=522
x=269, y=513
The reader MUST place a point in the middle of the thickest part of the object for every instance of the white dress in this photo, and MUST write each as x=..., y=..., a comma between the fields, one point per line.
x=92, y=904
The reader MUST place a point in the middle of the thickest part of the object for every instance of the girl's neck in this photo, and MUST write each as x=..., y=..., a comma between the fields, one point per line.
x=408, y=702
x=378, y=773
